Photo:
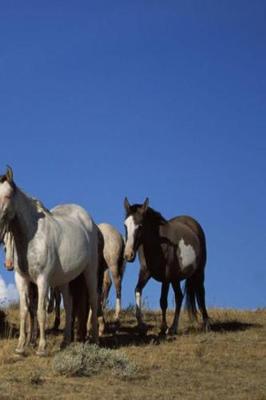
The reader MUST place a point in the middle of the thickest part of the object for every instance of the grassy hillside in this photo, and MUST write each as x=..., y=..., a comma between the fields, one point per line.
x=227, y=363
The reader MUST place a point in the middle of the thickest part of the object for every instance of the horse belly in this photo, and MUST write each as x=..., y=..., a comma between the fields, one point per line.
x=75, y=254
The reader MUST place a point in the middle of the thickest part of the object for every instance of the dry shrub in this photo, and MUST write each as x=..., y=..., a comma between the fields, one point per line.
x=85, y=360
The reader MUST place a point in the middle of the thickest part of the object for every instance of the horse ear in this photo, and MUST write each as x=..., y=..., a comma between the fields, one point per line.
x=145, y=205
x=126, y=204
x=9, y=174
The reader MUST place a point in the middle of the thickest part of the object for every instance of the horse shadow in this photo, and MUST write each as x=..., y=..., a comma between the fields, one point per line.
x=233, y=326
x=130, y=335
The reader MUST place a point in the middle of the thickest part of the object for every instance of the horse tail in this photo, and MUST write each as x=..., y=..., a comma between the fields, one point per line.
x=194, y=286
x=79, y=293
x=190, y=296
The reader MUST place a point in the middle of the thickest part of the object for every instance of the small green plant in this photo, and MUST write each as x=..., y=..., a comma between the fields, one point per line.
x=86, y=360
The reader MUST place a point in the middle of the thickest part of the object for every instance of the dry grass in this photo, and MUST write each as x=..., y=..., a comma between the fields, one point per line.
x=227, y=363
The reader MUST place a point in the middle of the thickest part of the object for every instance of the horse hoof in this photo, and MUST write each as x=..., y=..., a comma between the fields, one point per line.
x=163, y=330
x=64, y=344
x=20, y=352
x=54, y=330
x=117, y=324
x=171, y=332
x=101, y=330
x=41, y=353
x=206, y=327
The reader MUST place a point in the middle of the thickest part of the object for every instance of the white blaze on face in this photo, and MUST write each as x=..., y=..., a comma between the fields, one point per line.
x=5, y=194
x=131, y=230
x=187, y=254
x=6, y=210
x=9, y=250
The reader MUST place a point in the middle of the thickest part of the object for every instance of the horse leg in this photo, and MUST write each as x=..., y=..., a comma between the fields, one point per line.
x=90, y=275
x=41, y=312
x=23, y=289
x=107, y=283
x=117, y=283
x=68, y=305
x=51, y=302
x=144, y=276
x=200, y=296
x=117, y=279
x=81, y=312
x=57, y=296
x=33, y=323
x=164, y=305
x=178, y=303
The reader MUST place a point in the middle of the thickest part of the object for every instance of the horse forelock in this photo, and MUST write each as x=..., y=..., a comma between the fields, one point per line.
x=2, y=178
x=150, y=215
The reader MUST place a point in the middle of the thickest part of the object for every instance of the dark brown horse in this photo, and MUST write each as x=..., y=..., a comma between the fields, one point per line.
x=169, y=251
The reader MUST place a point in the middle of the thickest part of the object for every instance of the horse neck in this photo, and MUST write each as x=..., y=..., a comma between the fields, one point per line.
x=151, y=234
x=26, y=216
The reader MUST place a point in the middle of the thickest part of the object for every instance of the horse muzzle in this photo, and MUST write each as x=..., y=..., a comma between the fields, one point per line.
x=129, y=255
x=9, y=264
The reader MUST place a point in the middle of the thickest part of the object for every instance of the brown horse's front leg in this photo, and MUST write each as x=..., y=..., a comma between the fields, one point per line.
x=164, y=305
x=144, y=276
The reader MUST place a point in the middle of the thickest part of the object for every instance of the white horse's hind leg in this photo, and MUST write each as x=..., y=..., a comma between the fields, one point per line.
x=107, y=283
x=90, y=275
x=117, y=282
x=68, y=305
x=41, y=313
x=23, y=289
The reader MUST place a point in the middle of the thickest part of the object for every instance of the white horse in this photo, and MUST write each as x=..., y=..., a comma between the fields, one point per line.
x=51, y=248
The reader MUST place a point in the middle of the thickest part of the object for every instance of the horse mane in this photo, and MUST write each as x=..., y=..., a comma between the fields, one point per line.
x=36, y=203
x=155, y=216
x=40, y=206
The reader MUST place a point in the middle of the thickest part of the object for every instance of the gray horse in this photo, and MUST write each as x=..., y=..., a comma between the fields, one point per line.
x=44, y=253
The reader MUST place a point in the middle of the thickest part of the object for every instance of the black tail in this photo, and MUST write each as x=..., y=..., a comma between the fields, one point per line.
x=194, y=286
x=190, y=294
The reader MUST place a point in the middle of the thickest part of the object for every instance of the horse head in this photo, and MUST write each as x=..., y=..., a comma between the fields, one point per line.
x=135, y=215
x=7, y=206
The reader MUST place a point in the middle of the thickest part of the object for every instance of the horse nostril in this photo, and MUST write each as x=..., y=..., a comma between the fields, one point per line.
x=129, y=256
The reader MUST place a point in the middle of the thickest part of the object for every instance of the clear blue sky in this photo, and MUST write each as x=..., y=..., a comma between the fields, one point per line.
x=165, y=99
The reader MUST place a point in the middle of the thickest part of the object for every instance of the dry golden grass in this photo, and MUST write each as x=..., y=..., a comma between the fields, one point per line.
x=227, y=363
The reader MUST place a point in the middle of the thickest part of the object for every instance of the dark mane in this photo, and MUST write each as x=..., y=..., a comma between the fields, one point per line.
x=155, y=216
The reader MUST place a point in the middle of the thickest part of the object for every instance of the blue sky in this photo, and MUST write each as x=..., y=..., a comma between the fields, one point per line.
x=167, y=99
